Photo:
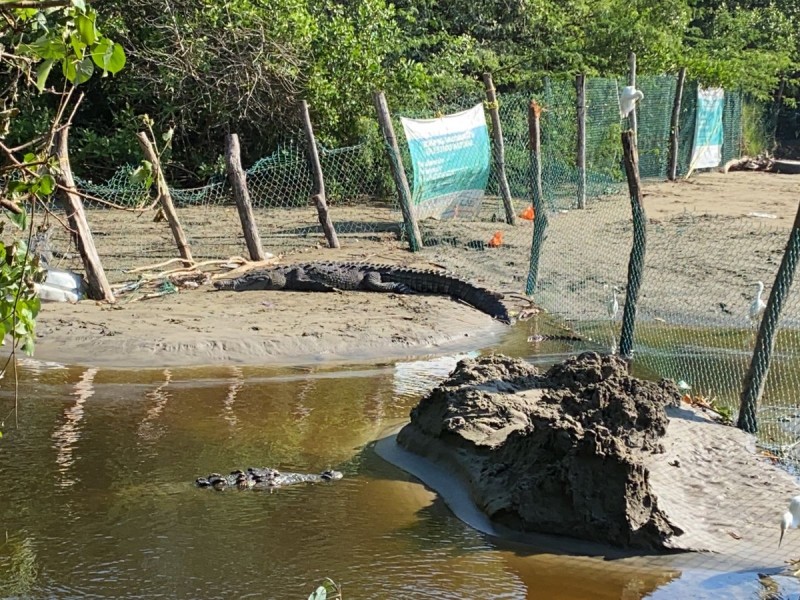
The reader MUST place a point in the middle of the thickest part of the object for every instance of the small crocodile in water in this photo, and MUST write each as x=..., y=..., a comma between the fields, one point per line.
x=331, y=277
x=263, y=478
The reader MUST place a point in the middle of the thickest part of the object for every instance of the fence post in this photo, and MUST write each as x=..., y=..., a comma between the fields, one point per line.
x=241, y=195
x=756, y=377
x=398, y=173
x=97, y=283
x=165, y=198
x=319, y=181
x=638, y=248
x=539, y=213
x=499, y=149
x=634, y=123
x=580, y=88
x=674, y=127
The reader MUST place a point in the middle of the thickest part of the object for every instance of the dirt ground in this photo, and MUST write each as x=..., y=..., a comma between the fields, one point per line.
x=705, y=248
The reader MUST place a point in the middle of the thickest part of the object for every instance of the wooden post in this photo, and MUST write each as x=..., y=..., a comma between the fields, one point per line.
x=165, y=198
x=325, y=220
x=398, y=173
x=674, y=127
x=499, y=149
x=580, y=87
x=756, y=377
x=98, y=287
x=241, y=196
x=636, y=261
x=539, y=214
x=319, y=181
x=632, y=81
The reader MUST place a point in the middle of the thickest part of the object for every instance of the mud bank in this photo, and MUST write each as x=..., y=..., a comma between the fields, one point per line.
x=586, y=451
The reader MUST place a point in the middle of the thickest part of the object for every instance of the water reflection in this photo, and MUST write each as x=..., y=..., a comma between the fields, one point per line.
x=235, y=385
x=148, y=429
x=19, y=562
x=68, y=434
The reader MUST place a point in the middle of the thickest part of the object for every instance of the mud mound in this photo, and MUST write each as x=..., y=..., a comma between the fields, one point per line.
x=560, y=453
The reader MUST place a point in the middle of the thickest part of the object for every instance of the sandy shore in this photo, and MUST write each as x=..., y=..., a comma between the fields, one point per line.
x=201, y=326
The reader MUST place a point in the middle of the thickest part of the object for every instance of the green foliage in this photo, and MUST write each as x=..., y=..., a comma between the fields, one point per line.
x=34, y=42
x=756, y=131
x=19, y=303
x=205, y=68
x=69, y=37
x=736, y=44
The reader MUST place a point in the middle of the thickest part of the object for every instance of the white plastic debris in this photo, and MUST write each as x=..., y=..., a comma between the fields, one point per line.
x=60, y=286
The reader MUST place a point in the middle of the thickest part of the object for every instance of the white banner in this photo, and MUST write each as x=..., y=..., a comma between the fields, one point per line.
x=708, y=132
x=450, y=158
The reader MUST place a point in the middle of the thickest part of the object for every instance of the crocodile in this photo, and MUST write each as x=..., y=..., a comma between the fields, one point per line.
x=262, y=478
x=346, y=276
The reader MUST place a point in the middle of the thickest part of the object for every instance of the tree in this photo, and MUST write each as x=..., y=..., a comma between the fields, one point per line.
x=52, y=46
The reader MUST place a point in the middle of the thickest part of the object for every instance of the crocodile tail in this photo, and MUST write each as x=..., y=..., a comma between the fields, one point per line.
x=434, y=282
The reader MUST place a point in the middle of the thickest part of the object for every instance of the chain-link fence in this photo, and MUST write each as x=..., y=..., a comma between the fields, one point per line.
x=702, y=264
x=700, y=269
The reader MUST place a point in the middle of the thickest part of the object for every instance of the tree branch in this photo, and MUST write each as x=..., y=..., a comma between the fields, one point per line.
x=15, y=4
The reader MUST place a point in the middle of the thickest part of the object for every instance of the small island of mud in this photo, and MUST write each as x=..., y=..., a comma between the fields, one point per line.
x=587, y=451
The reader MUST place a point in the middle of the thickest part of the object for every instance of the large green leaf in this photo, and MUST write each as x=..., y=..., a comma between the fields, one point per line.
x=42, y=71
x=319, y=594
x=109, y=56
x=20, y=220
x=87, y=29
x=46, y=47
x=77, y=72
x=47, y=185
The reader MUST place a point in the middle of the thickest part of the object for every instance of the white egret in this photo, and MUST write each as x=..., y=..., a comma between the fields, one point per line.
x=613, y=304
x=612, y=307
x=758, y=305
x=791, y=518
x=627, y=100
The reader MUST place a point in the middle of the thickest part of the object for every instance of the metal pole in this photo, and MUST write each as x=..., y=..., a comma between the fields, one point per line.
x=539, y=213
x=756, y=377
x=636, y=261
x=580, y=87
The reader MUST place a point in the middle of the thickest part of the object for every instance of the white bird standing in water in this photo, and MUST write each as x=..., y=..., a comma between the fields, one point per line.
x=791, y=518
x=613, y=304
x=758, y=305
x=613, y=308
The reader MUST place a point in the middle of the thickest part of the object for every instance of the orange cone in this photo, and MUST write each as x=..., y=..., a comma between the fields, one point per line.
x=527, y=214
x=497, y=240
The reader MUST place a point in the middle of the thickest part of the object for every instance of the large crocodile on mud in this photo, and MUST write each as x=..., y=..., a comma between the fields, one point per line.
x=332, y=277
x=262, y=478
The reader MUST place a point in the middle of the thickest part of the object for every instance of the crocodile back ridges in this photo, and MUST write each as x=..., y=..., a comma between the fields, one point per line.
x=430, y=281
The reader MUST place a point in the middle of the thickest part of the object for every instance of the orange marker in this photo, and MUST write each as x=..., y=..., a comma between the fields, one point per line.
x=527, y=214
x=497, y=239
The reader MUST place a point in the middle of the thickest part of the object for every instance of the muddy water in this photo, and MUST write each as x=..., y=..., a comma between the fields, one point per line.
x=98, y=499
